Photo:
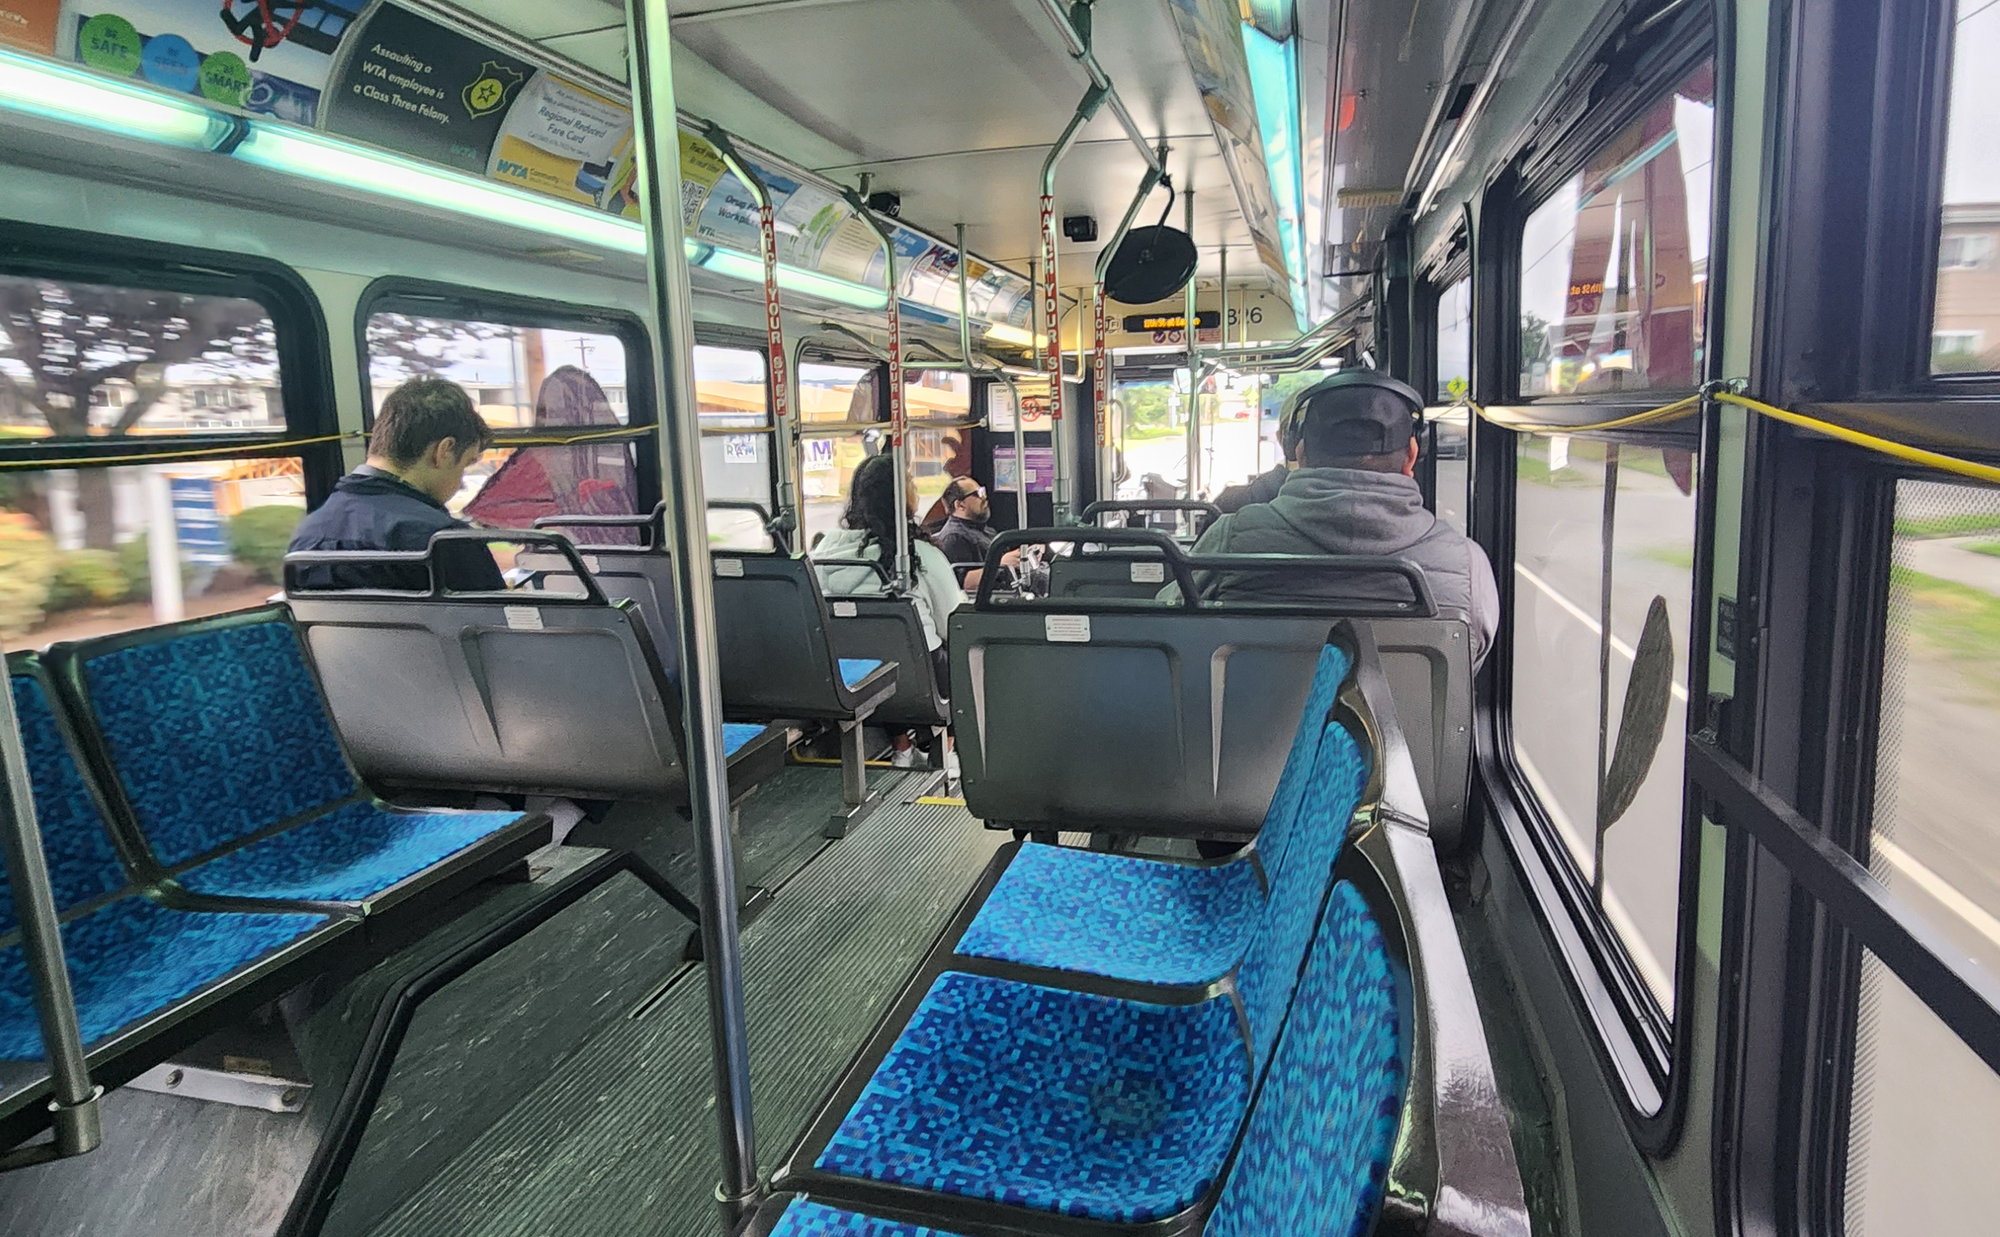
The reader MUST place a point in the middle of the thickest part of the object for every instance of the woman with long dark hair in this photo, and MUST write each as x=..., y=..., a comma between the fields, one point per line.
x=868, y=531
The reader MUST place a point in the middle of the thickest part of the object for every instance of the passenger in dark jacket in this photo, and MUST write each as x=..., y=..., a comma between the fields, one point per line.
x=1354, y=493
x=427, y=434
x=1261, y=488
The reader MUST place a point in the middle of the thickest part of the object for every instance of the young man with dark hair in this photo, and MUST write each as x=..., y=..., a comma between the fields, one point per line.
x=426, y=435
x=1354, y=492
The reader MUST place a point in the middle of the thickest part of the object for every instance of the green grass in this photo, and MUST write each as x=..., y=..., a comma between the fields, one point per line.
x=1147, y=433
x=1534, y=470
x=1681, y=557
x=1954, y=525
x=1954, y=621
x=1985, y=547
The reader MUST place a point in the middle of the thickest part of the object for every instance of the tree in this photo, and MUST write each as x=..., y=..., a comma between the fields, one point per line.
x=1535, y=345
x=402, y=347
x=62, y=342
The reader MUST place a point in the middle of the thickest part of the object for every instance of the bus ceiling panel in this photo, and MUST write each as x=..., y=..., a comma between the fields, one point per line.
x=995, y=193
x=1390, y=63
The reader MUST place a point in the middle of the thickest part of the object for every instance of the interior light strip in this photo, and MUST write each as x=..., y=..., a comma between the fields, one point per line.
x=75, y=96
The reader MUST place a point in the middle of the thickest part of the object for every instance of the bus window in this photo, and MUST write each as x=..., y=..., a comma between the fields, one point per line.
x=88, y=360
x=1453, y=384
x=1920, y=1096
x=78, y=546
x=937, y=454
x=1965, y=329
x=1575, y=653
x=141, y=369
x=528, y=382
x=734, y=403
x=1614, y=266
x=833, y=395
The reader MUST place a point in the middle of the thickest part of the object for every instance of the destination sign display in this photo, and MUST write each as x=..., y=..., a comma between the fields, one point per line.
x=1204, y=320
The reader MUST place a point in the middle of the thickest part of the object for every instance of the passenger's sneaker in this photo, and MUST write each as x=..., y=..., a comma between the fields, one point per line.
x=906, y=758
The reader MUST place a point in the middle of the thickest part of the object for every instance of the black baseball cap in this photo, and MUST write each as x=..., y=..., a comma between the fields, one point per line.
x=1354, y=412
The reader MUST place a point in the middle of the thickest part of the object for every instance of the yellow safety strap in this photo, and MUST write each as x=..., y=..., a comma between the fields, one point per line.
x=1688, y=406
x=263, y=447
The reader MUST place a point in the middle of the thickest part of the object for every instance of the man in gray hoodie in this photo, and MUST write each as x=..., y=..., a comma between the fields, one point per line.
x=1354, y=492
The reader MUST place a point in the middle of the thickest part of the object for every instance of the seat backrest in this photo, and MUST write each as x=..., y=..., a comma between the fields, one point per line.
x=81, y=861
x=205, y=732
x=645, y=577
x=1179, y=719
x=1334, y=1096
x=771, y=630
x=1121, y=573
x=887, y=629
x=1270, y=967
x=561, y=696
x=1096, y=717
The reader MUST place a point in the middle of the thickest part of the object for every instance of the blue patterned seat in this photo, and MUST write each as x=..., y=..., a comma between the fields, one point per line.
x=855, y=669
x=1314, y=1159
x=1084, y=1105
x=227, y=766
x=1144, y=920
x=128, y=958
x=736, y=734
x=1051, y=1100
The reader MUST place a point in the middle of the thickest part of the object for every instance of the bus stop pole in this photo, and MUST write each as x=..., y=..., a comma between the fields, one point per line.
x=896, y=413
x=659, y=182
x=787, y=512
x=74, y=1106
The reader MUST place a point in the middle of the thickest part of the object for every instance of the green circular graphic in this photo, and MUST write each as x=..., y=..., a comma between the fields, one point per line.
x=225, y=78
x=109, y=42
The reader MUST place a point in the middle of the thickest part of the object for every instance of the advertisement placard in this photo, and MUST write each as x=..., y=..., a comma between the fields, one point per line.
x=563, y=140
x=263, y=56
x=409, y=84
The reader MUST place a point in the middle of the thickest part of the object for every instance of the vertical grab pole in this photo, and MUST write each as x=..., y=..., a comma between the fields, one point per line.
x=1051, y=300
x=1222, y=284
x=774, y=328
x=659, y=181
x=78, y=1126
x=1107, y=464
x=896, y=414
x=1193, y=366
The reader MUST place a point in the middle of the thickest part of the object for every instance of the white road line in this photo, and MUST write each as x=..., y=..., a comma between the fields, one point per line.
x=1657, y=977
x=1596, y=629
x=1939, y=888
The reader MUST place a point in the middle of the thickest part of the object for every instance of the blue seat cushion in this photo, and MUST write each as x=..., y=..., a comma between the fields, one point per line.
x=1118, y=916
x=809, y=1219
x=133, y=958
x=350, y=854
x=1270, y=972
x=82, y=865
x=1274, y=837
x=855, y=669
x=1056, y=1101
x=1315, y=1155
x=736, y=734
x=215, y=735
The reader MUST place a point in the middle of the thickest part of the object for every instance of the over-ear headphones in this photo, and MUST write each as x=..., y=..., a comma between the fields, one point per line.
x=1292, y=423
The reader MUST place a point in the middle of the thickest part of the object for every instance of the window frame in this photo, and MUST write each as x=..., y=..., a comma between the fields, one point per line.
x=432, y=299
x=1859, y=94
x=305, y=369
x=1647, y=1053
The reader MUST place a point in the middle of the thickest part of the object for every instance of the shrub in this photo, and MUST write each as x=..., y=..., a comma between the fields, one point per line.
x=87, y=578
x=259, y=536
x=135, y=560
x=27, y=563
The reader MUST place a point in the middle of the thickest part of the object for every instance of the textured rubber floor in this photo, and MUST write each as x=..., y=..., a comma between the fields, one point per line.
x=621, y=1140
